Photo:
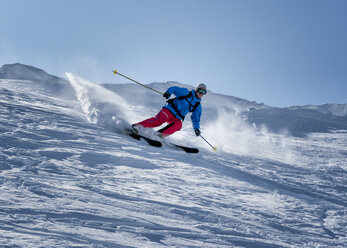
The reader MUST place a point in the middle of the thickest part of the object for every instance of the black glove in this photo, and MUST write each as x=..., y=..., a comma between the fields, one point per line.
x=197, y=132
x=167, y=95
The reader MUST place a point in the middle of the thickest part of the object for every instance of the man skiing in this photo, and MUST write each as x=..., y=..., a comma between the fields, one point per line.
x=176, y=109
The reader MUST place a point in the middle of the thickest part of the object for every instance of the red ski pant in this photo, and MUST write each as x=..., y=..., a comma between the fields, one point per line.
x=163, y=116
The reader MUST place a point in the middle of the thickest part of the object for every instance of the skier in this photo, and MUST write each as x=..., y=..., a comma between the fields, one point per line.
x=176, y=109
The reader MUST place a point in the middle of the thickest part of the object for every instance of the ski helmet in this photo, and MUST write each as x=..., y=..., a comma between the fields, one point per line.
x=201, y=88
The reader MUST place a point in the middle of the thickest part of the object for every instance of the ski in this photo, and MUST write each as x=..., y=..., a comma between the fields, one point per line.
x=178, y=147
x=157, y=143
x=184, y=148
x=151, y=142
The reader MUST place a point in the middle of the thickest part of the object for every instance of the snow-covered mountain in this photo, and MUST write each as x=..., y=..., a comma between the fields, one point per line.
x=69, y=178
x=299, y=121
x=35, y=75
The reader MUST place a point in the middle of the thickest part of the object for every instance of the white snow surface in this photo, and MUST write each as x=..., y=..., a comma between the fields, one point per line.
x=69, y=178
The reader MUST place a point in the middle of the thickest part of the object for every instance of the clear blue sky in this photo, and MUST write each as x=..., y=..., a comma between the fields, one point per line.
x=280, y=52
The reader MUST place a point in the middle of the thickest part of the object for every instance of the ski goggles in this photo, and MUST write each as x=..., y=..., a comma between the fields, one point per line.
x=202, y=91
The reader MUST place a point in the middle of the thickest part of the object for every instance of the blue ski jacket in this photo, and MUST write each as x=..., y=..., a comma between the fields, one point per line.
x=184, y=106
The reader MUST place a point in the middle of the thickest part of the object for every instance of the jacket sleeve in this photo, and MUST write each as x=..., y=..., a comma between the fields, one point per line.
x=177, y=91
x=195, y=117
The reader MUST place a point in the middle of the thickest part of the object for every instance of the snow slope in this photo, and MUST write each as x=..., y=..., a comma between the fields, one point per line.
x=68, y=178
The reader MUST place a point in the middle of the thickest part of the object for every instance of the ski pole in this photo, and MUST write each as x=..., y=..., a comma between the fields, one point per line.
x=213, y=147
x=116, y=72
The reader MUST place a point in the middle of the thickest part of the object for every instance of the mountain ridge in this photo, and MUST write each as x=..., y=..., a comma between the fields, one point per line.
x=20, y=71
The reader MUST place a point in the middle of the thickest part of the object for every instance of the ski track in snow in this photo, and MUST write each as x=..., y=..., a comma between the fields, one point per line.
x=66, y=180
